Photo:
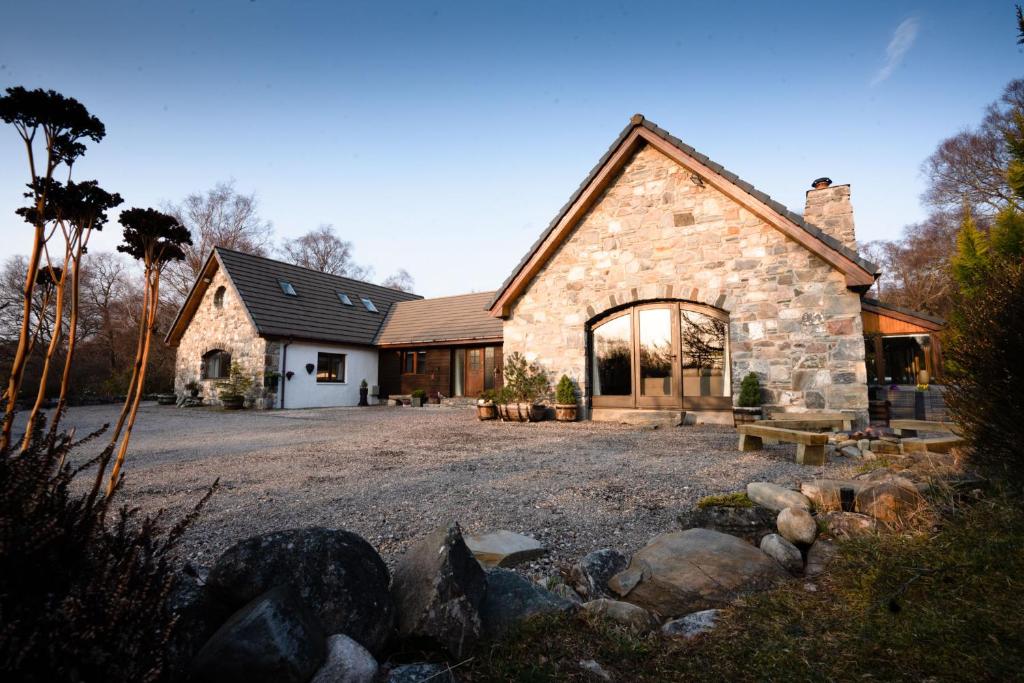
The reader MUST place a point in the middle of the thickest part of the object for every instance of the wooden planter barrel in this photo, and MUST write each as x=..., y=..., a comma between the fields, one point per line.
x=566, y=412
x=521, y=412
x=487, y=411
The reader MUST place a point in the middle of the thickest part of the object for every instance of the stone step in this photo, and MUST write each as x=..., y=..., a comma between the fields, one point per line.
x=634, y=416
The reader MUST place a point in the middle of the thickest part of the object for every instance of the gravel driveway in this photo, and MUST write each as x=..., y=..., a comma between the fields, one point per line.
x=392, y=474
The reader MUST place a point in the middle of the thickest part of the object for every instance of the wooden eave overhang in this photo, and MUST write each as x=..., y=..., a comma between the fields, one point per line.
x=859, y=273
x=905, y=315
x=468, y=341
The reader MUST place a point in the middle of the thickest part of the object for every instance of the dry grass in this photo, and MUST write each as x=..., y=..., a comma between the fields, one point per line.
x=940, y=606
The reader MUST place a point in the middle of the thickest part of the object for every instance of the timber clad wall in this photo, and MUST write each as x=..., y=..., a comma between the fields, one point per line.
x=654, y=234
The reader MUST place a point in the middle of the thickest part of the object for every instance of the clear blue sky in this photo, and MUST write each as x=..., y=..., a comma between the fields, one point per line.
x=443, y=137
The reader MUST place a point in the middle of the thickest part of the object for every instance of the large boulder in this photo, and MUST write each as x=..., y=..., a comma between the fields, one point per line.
x=504, y=548
x=890, y=502
x=679, y=572
x=336, y=573
x=775, y=497
x=438, y=590
x=692, y=625
x=819, y=557
x=590, y=575
x=347, y=662
x=275, y=638
x=750, y=523
x=625, y=613
x=783, y=552
x=197, y=616
x=848, y=524
x=797, y=526
x=511, y=599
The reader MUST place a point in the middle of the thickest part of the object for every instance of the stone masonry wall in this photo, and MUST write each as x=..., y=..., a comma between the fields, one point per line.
x=656, y=234
x=227, y=328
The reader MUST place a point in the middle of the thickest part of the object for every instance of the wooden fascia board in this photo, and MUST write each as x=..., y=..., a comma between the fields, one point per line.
x=192, y=301
x=855, y=274
x=502, y=306
x=468, y=341
x=902, y=317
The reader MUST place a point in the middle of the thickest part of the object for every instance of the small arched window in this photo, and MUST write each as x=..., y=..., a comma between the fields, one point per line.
x=218, y=297
x=216, y=364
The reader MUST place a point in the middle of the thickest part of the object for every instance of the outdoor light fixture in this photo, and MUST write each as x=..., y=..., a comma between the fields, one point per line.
x=289, y=374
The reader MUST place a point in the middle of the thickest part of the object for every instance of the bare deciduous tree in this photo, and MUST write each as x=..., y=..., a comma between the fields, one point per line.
x=971, y=165
x=400, y=280
x=321, y=249
x=220, y=217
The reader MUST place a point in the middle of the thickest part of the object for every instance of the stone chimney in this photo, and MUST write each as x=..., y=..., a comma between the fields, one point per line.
x=829, y=208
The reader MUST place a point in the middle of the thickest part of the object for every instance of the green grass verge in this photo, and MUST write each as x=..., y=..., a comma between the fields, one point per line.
x=737, y=499
x=946, y=606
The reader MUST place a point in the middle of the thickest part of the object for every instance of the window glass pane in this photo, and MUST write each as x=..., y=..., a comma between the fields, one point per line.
x=344, y=298
x=904, y=358
x=474, y=360
x=421, y=362
x=489, y=367
x=656, y=352
x=287, y=288
x=409, y=365
x=330, y=367
x=369, y=305
x=612, y=357
x=704, y=342
x=460, y=360
x=870, y=360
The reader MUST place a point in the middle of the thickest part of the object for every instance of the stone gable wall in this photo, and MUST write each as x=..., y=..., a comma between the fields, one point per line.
x=657, y=234
x=227, y=328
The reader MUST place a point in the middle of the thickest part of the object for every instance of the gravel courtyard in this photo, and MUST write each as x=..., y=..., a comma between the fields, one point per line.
x=392, y=474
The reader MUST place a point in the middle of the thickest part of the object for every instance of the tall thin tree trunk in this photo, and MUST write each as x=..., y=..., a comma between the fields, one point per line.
x=65, y=380
x=51, y=351
x=21, y=354
x=119, y=425
x=154, y=289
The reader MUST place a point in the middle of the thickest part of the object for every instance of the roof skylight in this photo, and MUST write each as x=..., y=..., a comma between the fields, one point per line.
x=287, y=288
x=343, y=297
x=369, y=305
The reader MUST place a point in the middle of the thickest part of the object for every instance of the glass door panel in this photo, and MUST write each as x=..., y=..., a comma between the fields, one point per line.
x=656, y=355
x=704, y=346
x=612, y=361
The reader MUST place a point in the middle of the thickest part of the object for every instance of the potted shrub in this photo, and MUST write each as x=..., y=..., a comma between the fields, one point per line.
x=417, y=396
x=193, y=388
x=565, y=400
x=525, y=385
x=232, y=392
x=749, y=408
x=485, y=407
x=364, y=391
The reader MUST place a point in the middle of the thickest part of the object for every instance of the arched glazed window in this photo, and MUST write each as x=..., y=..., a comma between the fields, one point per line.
x=216, y=364
x=661, y=355
x=218, y=297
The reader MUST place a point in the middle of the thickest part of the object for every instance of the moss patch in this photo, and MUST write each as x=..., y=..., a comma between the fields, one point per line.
x=737, y=499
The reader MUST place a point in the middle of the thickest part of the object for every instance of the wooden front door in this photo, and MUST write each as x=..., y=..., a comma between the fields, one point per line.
x=474, y=371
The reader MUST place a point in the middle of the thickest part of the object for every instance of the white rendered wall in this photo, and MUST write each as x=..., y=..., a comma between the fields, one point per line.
x=303, y=391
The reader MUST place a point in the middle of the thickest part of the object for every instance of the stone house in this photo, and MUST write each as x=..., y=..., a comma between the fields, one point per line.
x=660, y=284
x=309, y=339
x=665, y=279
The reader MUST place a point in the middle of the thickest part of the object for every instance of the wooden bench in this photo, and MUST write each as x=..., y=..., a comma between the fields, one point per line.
x=845, y=420
x=809, y=424
x=810, y=446
x=912, y=427
x=937, y=444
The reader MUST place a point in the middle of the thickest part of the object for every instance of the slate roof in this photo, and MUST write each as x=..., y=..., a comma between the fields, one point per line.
x=447, y=318
x=639, y=120
x=316, y=313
